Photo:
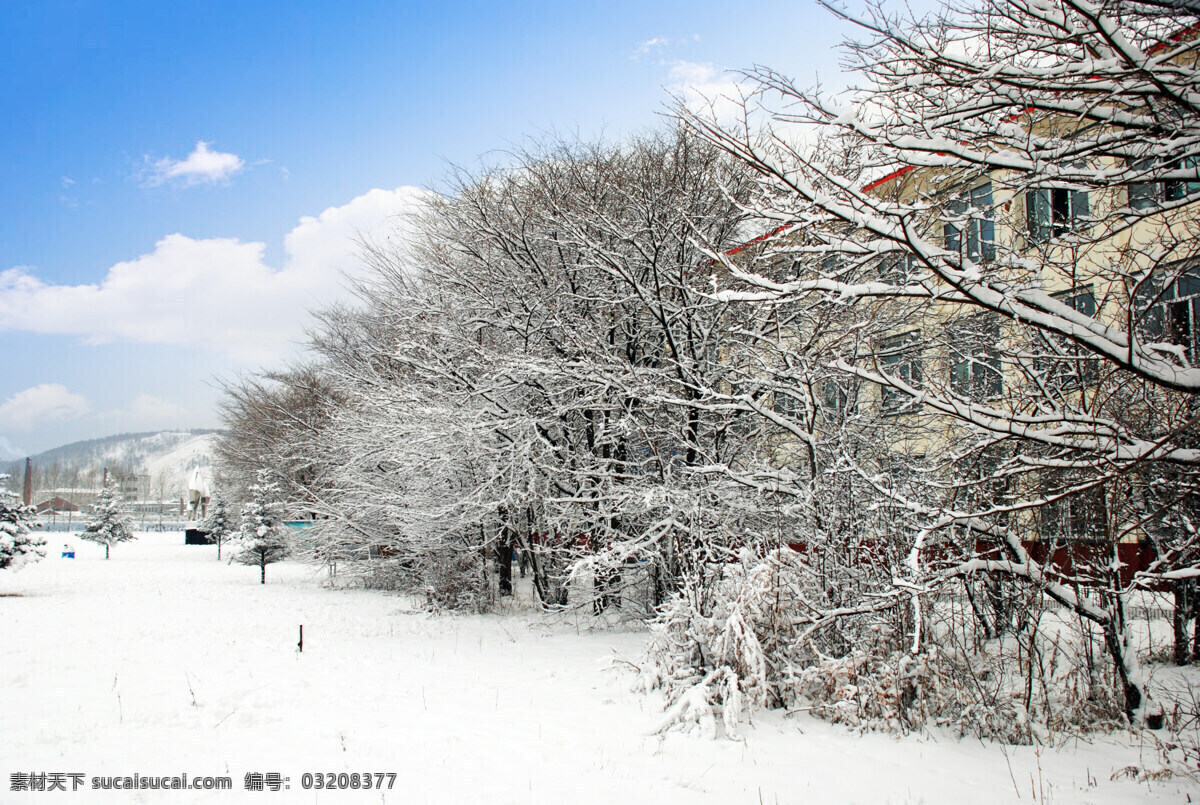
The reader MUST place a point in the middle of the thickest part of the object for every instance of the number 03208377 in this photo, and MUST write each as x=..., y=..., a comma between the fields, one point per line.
x=329, y=779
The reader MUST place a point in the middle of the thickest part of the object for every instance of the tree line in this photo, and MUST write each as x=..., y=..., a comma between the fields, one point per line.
x=882, y=404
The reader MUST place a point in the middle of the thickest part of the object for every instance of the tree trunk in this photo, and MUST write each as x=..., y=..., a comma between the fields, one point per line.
x=604, y=585
x=263, y=573
x=989, y=631
x=1179, y=620
x=1195, y=625
x=1116, y=649
x=504, y=558
x=106, y=547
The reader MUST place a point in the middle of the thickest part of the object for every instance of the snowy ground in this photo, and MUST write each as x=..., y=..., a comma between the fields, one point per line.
x=163, y=660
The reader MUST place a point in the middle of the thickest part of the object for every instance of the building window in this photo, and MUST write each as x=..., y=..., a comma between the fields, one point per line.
x=838, y=398
x=975, y=368
x=1080, y=299
x=971, y=232
x=786, y=405
x=1172, y=315
x=1051, y=212
x=900, y=358
x=895, y=269
x=1147, y=195
x=1069, y=366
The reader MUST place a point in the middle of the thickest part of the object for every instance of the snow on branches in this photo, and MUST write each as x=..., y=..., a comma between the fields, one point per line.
x=110, y=522
x=952, y=390
x=262, y=536
x=1002, y=217
x=219, y=525
x=18, y=544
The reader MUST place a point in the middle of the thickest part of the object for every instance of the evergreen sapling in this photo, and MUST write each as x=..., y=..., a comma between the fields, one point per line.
x=263, y=535
x=217, y=525
x=110, y=521
x=18, y=544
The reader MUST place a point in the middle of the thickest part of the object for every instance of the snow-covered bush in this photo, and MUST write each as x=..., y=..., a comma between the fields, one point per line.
x=763, y=642
x=18, y=544
x=110, y=523
x=743, y=643
x=262, y=538
x=455, y=581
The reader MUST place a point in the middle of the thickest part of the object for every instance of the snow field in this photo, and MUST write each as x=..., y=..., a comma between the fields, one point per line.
x=163, y=660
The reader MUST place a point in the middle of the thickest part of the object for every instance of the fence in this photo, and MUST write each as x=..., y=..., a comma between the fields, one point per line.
x=75, y=524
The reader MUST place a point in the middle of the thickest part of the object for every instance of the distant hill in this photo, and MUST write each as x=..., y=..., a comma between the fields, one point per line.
x=168, y=457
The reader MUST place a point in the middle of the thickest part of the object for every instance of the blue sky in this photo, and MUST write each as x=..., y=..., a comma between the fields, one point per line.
x=184, y=179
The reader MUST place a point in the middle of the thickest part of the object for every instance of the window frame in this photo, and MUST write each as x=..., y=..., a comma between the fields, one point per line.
x=1077, y=517
x=1143, y=196
x=1057, y=373
x=838, y=398
x=978, y=241
x=899, y=356
x=1054, y=211
x=976, y=373
x=1181, y=293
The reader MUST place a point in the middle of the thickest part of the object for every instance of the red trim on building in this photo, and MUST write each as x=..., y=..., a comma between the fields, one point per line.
x=896, y=174
x=1174, y=39
x=762, y=237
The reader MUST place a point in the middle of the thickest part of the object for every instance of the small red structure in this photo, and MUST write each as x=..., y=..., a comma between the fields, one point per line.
x=56, y=504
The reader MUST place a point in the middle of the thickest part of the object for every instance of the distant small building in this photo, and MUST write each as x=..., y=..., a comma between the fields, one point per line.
x=56, y=505
x=134, y=486
x=81, y=497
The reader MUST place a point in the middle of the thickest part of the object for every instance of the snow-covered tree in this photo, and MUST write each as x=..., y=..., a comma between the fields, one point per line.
x=110, y=522
x=964, y=345
x=273, y=421
x=262, y=537
x=18, y=544
x=1005, y=205
x=219, y=525
x=514, y=382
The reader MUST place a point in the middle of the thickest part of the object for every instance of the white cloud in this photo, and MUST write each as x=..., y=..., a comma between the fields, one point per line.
x=156, y=410
x=705, y=90
x=147, y=412
x=49, y=402
x=10, y=451
x=650, y=44
x=214, y=294
x=202, y=166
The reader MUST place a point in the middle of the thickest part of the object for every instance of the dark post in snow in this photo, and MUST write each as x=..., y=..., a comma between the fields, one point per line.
x=300, y=645
x=28, y=491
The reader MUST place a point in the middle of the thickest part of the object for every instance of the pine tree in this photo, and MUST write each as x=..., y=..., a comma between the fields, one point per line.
x=110, y=521
x=18, y=545
x=263, y=539
x=217, y=524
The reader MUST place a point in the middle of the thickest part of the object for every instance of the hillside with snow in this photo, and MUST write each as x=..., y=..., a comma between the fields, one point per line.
x=167, y=457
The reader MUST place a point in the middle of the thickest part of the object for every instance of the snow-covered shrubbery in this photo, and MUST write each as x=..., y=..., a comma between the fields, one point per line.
x=455, y=581
x=19, y=545
x=754, y=644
